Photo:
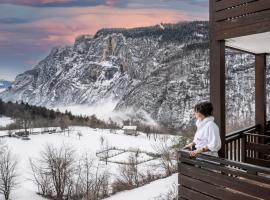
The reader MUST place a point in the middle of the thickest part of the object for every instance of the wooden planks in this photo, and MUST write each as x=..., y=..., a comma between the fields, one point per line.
x=225, y=166
x=257, y=161
x=217, y=179
x=239, y=30
x=225, y=4
x=212, y=178
x=243, y=21
x=190, y=194
x=210, y=190
x=241, y=11
x=235, y=18
x=261, y=148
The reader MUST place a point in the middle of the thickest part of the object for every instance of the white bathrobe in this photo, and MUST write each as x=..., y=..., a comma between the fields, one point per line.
x=207, y=134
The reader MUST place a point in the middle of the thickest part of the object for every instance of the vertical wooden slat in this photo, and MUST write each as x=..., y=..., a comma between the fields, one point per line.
x=234, y=150
x=243, y=148
x=217, y=78
x=231, y=149
x=226, y=151
x=260, y=90
x=238, y=150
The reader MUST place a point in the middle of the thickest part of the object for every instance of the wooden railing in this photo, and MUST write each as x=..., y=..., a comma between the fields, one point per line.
x=211, y=178
x=248, y=145
x=235, y=143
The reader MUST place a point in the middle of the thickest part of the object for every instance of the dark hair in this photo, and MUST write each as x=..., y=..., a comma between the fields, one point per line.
x=205, y=108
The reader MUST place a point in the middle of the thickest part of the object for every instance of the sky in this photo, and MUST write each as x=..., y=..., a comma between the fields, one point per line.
x=29, y=29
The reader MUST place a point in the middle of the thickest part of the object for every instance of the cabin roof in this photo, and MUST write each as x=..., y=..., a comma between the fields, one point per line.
x=130, y=127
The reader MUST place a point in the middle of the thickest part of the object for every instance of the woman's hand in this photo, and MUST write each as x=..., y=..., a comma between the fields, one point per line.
x=195, y=153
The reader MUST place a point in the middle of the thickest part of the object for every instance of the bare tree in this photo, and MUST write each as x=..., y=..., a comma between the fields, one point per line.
x=105, y=148
x=57, y=166
x=172, y=194
x=79, y=133
x=41, y=179
x=92, y=182
x=101, y=184
x=129, y=176
x=167, y=156
x=59, y=175
x=64, y=123
x=8, y=175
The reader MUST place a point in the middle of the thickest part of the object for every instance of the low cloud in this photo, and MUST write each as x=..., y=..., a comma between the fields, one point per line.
x=105, y=111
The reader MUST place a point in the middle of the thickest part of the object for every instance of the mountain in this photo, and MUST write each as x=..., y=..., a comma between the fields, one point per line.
x=4, y=84
x=160, y=70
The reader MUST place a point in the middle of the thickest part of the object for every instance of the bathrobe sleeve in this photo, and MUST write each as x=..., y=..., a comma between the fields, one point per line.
x=213, y=139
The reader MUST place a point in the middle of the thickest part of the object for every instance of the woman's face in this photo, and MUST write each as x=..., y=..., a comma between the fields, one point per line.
x=199, y=116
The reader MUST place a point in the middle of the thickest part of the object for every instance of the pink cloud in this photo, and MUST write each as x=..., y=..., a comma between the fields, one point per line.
x=70, y=23
x=60, y=26
x=111, y=2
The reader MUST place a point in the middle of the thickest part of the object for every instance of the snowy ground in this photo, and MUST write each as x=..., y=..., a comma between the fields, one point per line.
x=2, y=89
x=90, y=143
x=148, y=192
x=4, y=121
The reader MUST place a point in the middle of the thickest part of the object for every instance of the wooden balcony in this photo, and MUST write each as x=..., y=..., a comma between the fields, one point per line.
x=243, y=169
x=234, y=177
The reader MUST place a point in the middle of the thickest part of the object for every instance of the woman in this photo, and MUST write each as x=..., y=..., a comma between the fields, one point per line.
x=207, y=138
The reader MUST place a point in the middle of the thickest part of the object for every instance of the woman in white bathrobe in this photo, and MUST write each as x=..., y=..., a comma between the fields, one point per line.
x=207, y=138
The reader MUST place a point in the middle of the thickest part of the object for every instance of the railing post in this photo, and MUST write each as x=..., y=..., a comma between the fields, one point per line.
x=260, y=91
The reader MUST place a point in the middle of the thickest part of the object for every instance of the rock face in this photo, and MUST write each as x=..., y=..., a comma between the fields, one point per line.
x=160, y=70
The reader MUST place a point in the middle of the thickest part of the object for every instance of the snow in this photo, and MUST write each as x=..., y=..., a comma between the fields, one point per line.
x=90, y=142
x=148, y=192
x=2, y=89
x=4, y=121
x=161, y=26
x=125, y=156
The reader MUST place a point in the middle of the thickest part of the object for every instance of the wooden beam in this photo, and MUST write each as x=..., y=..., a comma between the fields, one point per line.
x=254, y=28
x=260, y=90
x=217, y=78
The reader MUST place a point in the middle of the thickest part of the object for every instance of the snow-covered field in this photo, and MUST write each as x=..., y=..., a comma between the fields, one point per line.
x=90, y=142
x=2, y=89
x=4, y=121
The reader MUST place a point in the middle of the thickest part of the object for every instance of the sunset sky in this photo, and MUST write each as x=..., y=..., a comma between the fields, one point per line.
x=30, y=28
